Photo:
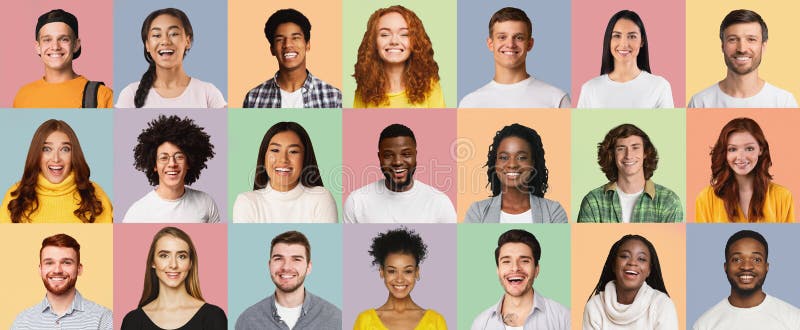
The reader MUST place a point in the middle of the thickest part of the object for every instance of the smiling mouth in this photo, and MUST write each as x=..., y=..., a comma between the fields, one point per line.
x=624, y=52
x=287, y=276
x=166, y=52
x=746, y=278
x=55, y=170
x=509, y=52
x=283, y=170
x=290, y=55
x=394, y=51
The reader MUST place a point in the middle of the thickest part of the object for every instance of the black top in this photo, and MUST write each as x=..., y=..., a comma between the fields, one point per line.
x=208, y=317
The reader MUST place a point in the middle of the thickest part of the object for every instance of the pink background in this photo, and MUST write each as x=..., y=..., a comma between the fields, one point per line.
x=435, y=131
x=19, y=64
x=665, y=23
x=132, y=242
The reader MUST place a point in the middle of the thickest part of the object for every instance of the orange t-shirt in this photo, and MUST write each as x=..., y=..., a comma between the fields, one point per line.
x=68, y=94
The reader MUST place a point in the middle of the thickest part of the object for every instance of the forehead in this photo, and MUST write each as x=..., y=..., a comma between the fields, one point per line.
x=171, y=243
x=749, y=28
x=285, y=249
x=397, y=142
x=285, y=138
x=392, y=20
x=741, y=137
x=288, y=28
x=515, y=249
x=58, y=252
x=165, y=21
x=513, y=143
x=397, y=259
x=631, y=140
x=56, y=136
x=167, y=147
x=626, y=25
x=510, y=27
x=56, y=29
x=747, y=245
x=634, y=245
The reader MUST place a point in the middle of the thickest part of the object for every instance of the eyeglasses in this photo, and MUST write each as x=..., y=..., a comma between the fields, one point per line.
x=178, y=157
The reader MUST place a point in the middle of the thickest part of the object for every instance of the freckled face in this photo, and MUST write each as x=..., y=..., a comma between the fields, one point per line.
x=742, y=153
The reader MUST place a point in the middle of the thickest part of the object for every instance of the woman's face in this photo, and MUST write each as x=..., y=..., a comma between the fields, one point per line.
x=399, y=273
x=284, y=160
x=171, y=165
x=167, y=41
x=742, y=152
x=56, y=160
x=514, y=162
x=394, y=43
x=631, y=265
x=171, y=261
x=626, y=40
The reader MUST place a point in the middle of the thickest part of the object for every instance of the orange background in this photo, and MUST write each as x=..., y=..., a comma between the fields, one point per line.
x=702, y=129
x=249, y=60
x=590, y=245
x=477, y=128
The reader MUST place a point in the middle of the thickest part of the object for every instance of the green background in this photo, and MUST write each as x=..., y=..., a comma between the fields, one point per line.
x=439, y=19
x=667, y=132
x=478, y=284
x=246, y=128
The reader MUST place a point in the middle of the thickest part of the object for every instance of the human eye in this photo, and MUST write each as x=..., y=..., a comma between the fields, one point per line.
x=731, y=149
x=163, y=159
x=46, y=149
x=163, y=255
x=183, y=256
x=68, y=262
x=502, y=157
x=408, y=271
x=522, y=157
x=66, y=149
x=616, y=35
x=390, y=271
x=750, y=148
x=757, y=260
x=519, y=38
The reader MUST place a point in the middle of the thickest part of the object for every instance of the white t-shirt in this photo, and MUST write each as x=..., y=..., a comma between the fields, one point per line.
x=646, y=91
x=301, y=204
x=292, y=100
x=199, y=94
x=374, y=203
x=772, y=313
x=289, y=315
x=193, y=206
x=524, y=217
x=627, y=202
x=529, y=93
x=769, y=97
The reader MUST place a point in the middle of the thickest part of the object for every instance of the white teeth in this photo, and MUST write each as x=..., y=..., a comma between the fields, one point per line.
x=742, y=58
x=509, y=53
x=394, y=50
x=512, y=175
x=283, y=169
x=286, y=276
x=56, y=168
x=166, y=51
x=631, y=272
x=400, y=171
x=172, y=172
x=290, y=55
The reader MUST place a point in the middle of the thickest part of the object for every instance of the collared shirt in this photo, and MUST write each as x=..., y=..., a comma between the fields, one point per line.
x=315, y=314
x=82, y=314
x=657, y=204
x=316, y=94
x=545, y=314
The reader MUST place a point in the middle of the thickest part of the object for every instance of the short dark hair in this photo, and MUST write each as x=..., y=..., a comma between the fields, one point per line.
x=292, y=237
x=193, y=141
x=518, y=236
x=396, y=130
x=642, y=60
x=740, y=16
x=510, y=14
x=287, y=16
x=746, y=234
x=605, y=151
x=61, y=240
x=401, y=240
x=63, y=16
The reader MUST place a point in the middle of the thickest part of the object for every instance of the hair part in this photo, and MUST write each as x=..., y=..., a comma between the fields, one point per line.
x=191, y=139
x=401, y=240
x=642, y=60
x=62, y=241
x=536, y=184
x=151, y=284
x=742, y=16
x=292, y=237
x=655, y=280
x=742, y=234
x=510, y=14
x=287, y=16
x=519, y=236
x=606, y=151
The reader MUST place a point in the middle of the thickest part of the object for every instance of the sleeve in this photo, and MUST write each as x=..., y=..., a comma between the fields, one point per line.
x=362, y=322
x=665, y=99
x=441, y=323
x=791, y=102
x=216, y=319
x=566, y=102
x=466, y=102
x=105, y=97
x=672, y=211
x=215, y=98
x=590, y=317
x=248, y=101
x=107, y=216
x=338, y=97
x=474, y=214
x=447, y=213
x=130, y=322
x=557, y=213
x=584, y=99
x=106, y=320
x=326, y=211
x=436, y=98
x=243, y=210
x=5, y=214
x=693, y=103
x=587, y=212
x=788, y=207
x=213, y=211
x=125, y=98
x=702, y=207
x=667, y=318
x=358, y=102
x=349, y=212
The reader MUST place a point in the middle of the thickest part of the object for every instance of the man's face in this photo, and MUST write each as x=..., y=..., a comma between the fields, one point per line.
x=516, y=268
x=56, y=45
x=746, y=266
x=171, y=165
x=629, y=156
x=59, y=269
x=288, y=266
x=398, y=157
x=742, y=45
x=289, y=46
x=510, y=43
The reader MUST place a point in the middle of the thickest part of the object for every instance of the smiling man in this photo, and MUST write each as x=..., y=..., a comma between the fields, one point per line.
x=628, y=159
x=63, y=306
x=289, y=34
x=521, y=307
x=291, y=306
x=398, y=197
x=510, y=39
x=744, y=37
x=57, y=44
x=748, y=306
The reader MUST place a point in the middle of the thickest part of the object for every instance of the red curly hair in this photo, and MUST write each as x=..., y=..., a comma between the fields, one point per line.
x=421, y=70
x=723, y=179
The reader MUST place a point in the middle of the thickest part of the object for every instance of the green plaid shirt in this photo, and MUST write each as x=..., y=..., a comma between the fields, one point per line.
x=657, y=204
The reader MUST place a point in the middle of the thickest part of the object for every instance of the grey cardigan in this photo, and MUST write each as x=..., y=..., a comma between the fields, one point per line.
x=542, y=211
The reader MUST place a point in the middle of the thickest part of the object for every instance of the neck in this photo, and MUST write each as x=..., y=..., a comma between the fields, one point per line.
x=626, y=297
x=503, y=75
x=741, y=86
x=60, y=303
x=400, y=304
x=171, y=78
x=58, y=76
x=291, y=299
x=172, y=297
x=745, y=182
x=292, y=80
x=624, y=72
x=394, y=76
x=515, y=200
x=515, y=309
x=631, y=184
x=170, y=193
x=746, y=301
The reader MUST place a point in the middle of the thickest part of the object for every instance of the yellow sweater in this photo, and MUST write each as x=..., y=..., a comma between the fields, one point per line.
x=57, y=202
x=369, y=320
x=435, y=99
x=68, y=94
x=778, y=206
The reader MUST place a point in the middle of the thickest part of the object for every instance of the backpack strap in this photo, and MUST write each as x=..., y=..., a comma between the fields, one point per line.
x=90, y=94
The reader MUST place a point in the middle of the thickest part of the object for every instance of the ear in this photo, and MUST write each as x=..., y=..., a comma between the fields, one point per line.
x=490, y=44
x=188, y=43
x=36, y=48
x=536, y=271
x=308, y=45
x=80, y=269
x=530, y=44
x=380, y=271
x=76, y=46
x=308, y=271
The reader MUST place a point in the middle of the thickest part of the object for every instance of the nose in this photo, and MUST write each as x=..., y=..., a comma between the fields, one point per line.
x=56, y=156
x=173, y=262
x=395, y=39
x=739, y=46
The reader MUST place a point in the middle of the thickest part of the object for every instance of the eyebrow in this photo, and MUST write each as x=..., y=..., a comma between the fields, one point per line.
x=168, y=28
x=291, y=256
x=289, y=146
x=48, y=142
x=168, y=251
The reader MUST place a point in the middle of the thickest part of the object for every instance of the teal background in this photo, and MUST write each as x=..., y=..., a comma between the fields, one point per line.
x=439, y=19
x=478, y=284
x=667, y=132
x=246, y=128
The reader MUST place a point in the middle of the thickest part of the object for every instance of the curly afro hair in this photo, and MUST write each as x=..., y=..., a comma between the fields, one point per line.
x=401, y=240
x=184, y=133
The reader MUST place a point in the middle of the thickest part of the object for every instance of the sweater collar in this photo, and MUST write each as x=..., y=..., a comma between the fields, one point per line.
x=625, y=314
x=47, y=188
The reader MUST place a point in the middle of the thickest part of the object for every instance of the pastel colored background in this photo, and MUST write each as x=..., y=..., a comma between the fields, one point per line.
x=548, y=61
x=664, y=23
x=706, y=282
x=439, y=19
x=210, y=240
x=706, y=66
x=22, y=279
x=703, y=128
x=246, y=129
x=93, y=129
x=435, y=132
x=478, y=282
x=248, y=263
x=248, y=49
x=208, y=57
x=133, y=185
x=666, y=129
x=19, y=63
x=476, y=131
x=436, y=288
x=590, y=246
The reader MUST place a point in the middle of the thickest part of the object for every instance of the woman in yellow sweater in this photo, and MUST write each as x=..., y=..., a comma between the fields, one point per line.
x=55, y=184
x=741, y=187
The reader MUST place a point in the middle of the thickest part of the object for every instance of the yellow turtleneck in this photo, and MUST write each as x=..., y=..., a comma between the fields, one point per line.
x=58, y=201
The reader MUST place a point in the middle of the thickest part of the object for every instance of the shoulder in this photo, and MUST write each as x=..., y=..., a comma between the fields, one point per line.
x=655, y=80
x=595, y=194
x=543, y=87
x=664, y=192
x=434, y=317
x=780, y=305
x=708, y=92
x=258, y=310
x=772, y=89
x=713, y=313
x=595, y=82
x=130, y=89
x=480, y=204
x=707, y=193
x=367, y=189
x=324, y=306
x=198, y=195
x=778, y=190
x=319, y=83
x=133, y=319
x=214, y=311
x=366, y=317
x=317, y=192
x=11, y=189
x=428, y=189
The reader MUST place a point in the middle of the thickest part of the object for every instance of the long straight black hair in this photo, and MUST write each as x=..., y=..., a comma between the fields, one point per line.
x=655, y=280
x=642, y=60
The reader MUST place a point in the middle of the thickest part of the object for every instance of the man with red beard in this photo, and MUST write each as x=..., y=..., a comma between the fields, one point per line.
x=63, y=306
x=748, y=306
x=517, y=257
x=291, y=306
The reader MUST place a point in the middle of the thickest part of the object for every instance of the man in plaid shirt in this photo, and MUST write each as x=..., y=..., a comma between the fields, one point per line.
x=289, y=33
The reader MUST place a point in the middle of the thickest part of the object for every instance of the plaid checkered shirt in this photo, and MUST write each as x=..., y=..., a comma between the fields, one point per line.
x=316, y=94
x=656, y=204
